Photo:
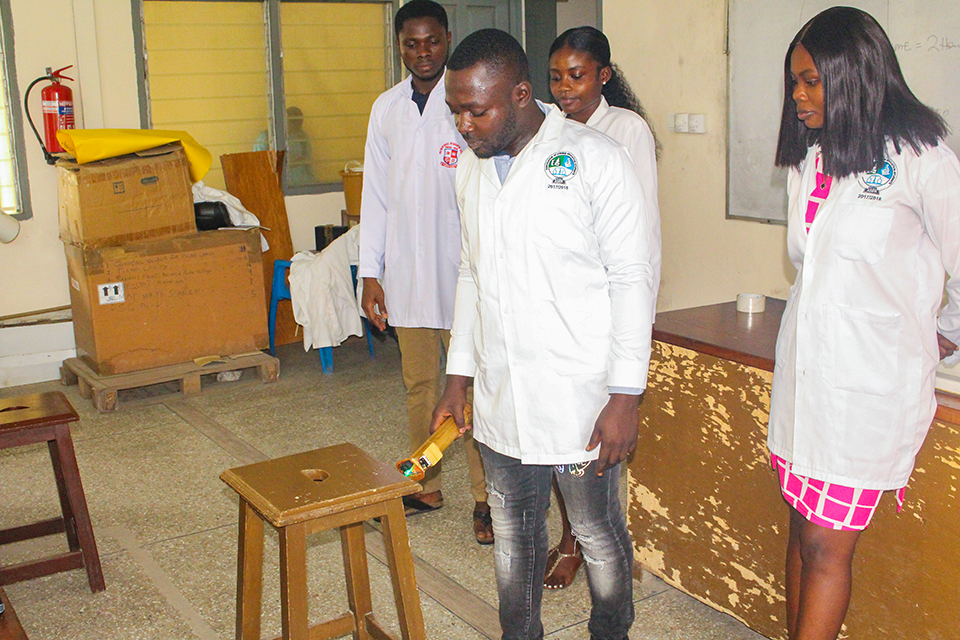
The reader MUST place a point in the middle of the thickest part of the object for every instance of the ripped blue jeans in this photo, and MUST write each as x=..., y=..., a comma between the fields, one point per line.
x=519, y=496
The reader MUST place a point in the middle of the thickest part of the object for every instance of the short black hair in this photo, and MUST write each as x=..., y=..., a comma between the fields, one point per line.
x=420, y=9
x=495, y=48
x=866, y=100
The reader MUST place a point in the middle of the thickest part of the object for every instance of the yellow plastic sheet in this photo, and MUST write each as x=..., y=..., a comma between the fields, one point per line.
x=88, y=145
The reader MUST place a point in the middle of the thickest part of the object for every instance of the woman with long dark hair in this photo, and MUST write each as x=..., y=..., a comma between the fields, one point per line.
x=873, y=222
x=590, y=89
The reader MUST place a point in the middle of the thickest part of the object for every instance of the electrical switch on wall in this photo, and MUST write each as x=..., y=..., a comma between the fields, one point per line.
x=688, y=123
x=697, y=123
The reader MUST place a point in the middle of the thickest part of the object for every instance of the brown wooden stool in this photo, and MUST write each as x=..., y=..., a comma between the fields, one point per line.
x=46, y=417
x=339, y=486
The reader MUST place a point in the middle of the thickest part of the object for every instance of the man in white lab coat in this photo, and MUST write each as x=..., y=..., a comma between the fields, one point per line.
x=410, y=232
x=553, y=322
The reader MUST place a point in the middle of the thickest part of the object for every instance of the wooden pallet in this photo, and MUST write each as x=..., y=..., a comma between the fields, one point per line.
x=105, y=390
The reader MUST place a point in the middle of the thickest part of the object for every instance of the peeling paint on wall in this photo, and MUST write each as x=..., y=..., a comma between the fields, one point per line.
x=706, y=515
x=647, y=500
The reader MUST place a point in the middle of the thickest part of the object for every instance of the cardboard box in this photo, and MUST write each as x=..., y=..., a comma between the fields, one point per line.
x=167, y=302
x=133, y=198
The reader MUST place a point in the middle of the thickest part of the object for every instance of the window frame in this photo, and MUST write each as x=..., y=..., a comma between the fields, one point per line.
x=275, y=79
x=18, y=151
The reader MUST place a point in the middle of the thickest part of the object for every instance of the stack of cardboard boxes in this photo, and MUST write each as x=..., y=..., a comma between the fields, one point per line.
x=147, y=289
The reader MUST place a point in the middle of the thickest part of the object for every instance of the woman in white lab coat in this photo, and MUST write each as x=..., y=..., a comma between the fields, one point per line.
x=590, y=89
x=873, y=222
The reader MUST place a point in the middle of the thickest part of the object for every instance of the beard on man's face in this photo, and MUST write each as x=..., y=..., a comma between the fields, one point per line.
x=501, y=139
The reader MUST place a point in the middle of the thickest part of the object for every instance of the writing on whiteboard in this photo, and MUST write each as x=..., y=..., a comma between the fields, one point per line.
x=931, y=44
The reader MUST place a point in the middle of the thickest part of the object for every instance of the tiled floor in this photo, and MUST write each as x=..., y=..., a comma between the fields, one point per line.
x=166, y=525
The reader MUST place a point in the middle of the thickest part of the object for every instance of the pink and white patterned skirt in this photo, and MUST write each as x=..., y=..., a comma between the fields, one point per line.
x=829, y=505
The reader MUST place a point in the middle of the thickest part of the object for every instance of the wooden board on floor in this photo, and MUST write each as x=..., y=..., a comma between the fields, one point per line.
x=255, y=178
x=104, y=391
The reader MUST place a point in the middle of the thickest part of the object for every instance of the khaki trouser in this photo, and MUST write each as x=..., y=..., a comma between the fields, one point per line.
x=420, y=352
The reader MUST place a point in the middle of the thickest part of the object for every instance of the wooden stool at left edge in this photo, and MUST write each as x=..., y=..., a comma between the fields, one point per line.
x=335, y=487
x=46, y=417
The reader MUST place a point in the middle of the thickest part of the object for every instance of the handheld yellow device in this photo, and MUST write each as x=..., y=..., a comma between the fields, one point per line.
x=431, y=451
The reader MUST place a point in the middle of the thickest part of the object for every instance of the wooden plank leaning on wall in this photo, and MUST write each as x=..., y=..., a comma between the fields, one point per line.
x=255, y=178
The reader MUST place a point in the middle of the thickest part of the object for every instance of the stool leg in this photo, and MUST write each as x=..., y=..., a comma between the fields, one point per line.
x=293, y=581
x=401, y=572
x=358, y=577
x=78, y=504
x=249, y=573
x=69, y=521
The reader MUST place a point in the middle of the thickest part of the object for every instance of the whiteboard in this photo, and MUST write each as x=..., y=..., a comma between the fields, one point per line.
x=925, y=34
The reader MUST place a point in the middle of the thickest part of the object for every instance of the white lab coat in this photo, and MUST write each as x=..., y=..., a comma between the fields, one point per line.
x=410, y=236
x=853, y=385
x=633, y=132
x=556, y=291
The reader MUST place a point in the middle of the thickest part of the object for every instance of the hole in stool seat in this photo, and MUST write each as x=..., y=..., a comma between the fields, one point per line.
x=13, y=409
x=317, y=475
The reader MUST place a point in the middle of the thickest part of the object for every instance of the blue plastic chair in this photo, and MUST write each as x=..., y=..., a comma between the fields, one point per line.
x=280, y=290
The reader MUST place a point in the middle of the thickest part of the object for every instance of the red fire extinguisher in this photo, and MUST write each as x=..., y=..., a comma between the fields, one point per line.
x=57, y=102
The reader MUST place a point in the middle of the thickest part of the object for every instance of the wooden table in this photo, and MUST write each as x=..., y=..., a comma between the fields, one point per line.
x=720, y=330
x=705, y=511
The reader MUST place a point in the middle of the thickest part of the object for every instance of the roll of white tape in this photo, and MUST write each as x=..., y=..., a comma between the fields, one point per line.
x=751, y=303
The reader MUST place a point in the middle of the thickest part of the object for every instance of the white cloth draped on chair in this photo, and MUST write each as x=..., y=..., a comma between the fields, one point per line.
x=321, y=290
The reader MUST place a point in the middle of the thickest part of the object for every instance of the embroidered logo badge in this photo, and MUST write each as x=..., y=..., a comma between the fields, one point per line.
x=878, y=180
x=561, y=167
x=449, y=154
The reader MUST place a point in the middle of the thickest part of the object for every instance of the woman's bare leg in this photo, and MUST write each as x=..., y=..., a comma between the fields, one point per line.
x=825, y=560
x=794, y=569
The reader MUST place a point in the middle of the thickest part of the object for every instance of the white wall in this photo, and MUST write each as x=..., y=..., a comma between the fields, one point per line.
x=34, y=353
x=307, y=212
x=96, y=36
x=706, y=257
x=576, y=13
x=33, y=264
x=672, y=54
